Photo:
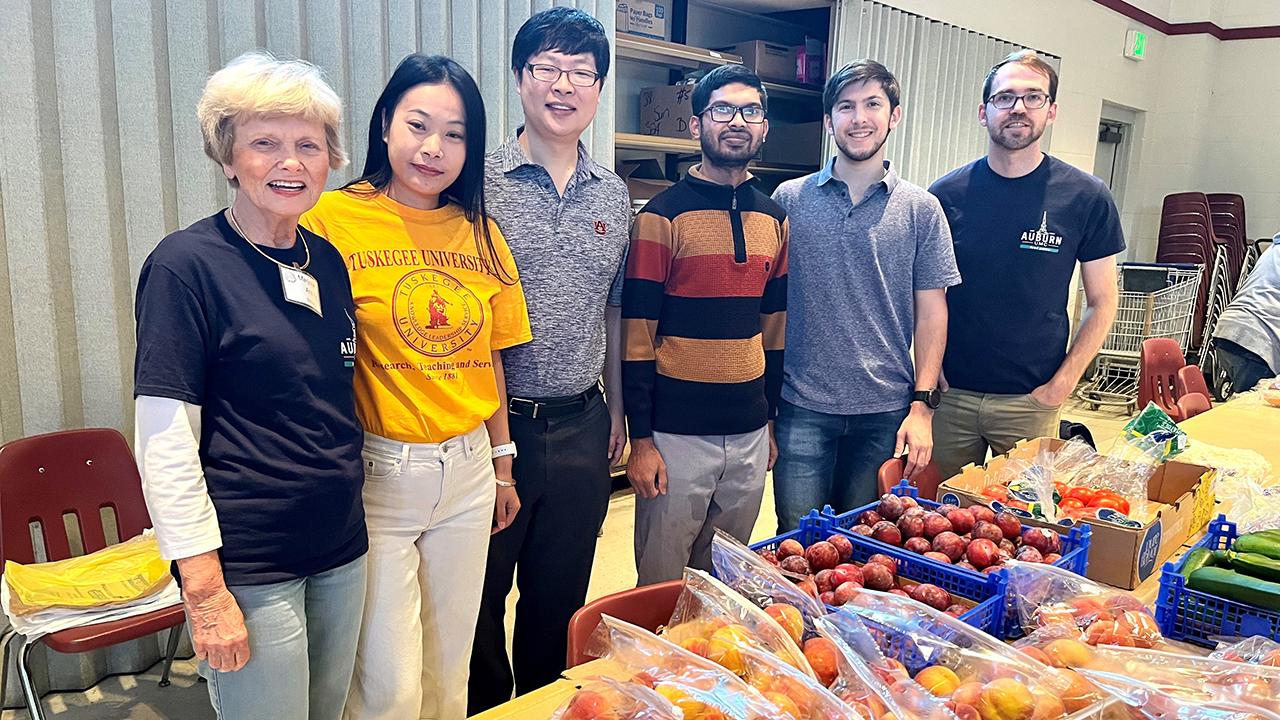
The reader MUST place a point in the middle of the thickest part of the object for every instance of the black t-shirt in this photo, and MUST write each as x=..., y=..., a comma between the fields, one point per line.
x=279, y=441
x=1017, y=241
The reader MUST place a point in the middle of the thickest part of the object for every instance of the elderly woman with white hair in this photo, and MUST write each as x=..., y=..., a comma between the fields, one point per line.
x=246, y=435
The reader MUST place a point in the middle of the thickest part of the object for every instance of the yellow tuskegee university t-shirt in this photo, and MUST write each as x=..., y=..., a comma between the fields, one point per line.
x=429, y=310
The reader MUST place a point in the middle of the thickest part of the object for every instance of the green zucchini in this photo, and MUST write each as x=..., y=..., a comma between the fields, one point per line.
x=1230, y=585
x=1196, y=559
x=1259, y=566
x=1222, y=558
x=1262, y=543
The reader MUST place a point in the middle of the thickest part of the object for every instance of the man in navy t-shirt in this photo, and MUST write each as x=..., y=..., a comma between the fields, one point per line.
x=1020, y=221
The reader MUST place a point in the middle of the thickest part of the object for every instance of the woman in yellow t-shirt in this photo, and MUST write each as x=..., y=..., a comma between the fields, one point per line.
x=437, y=297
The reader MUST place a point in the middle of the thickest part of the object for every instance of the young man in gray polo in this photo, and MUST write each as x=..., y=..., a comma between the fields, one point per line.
x=567, y=220
x=870, y=263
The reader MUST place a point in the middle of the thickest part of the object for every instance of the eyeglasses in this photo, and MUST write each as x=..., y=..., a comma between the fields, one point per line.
x=551, y=74
x=751, y=114
x=1030, y=101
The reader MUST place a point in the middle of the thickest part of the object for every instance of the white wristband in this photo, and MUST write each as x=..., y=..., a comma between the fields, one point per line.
x=501, y=450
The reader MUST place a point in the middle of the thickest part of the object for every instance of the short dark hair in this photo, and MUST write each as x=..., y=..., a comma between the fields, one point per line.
x=1030, y=59
x=726, y=75
x=860, y=71
x=562, y=29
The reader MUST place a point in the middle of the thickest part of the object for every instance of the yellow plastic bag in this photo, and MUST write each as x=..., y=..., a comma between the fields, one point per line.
x=112, y=576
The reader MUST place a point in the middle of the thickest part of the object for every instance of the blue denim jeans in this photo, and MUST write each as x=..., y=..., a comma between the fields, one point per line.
x=828, y=460
x=302, y=648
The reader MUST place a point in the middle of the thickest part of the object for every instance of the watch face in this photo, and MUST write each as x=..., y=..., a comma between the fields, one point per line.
x=935, y=398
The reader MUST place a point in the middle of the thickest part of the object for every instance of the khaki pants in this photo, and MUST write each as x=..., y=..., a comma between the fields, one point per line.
x=968, y=423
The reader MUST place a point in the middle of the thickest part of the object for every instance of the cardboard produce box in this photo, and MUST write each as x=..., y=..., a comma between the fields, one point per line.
x=799, y=144
x=665, y=111
x=771, y=61
x=1179, y=493
x=647, y=19
x=644, y=179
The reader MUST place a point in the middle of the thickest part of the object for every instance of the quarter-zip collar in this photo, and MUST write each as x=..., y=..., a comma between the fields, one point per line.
x=731, y=199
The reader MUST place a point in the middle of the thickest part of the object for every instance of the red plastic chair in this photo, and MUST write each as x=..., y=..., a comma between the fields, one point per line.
x=1192, y=405
x=77, y=471
x=1159, y=365
x=649, y=607
x=926, y=483
x=1191, y=380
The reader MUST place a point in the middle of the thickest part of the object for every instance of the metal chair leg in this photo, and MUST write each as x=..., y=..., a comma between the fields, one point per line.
x=28, y=685
x=6, y=641
x=175, y=634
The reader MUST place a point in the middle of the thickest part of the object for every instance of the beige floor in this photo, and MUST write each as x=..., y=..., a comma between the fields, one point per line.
x=137, y=697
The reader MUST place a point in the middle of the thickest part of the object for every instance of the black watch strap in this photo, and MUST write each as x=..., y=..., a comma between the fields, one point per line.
x=932, y=398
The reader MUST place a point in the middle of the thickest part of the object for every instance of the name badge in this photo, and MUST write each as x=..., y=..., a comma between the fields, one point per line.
x=300, y=288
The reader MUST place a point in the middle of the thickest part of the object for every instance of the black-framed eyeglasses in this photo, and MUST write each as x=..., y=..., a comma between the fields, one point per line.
x=551, y=74
x=1031, y=101
x=751, y=114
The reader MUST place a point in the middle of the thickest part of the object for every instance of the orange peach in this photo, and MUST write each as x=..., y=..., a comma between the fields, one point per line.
x=784, y=704
x=586, y=705
x=1108, y=632
x=822, y=656
x=696, y=645
x=1036, y=654
x=967, y=694
x=1080, y=693
x=1272, y=659
x=939, y=680
x=965, y=711
x=1141, y=626
x=1066, y=652
x=1006, y=699
x=789, y=618
x=1047, y=707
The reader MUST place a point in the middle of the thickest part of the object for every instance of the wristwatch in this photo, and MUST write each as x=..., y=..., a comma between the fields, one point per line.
x=932, y=398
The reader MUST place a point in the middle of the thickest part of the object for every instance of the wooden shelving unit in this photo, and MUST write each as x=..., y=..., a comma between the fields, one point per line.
x=673, y=55
x=656, y=143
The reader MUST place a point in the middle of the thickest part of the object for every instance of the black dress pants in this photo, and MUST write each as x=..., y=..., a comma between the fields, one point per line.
x=562, y=477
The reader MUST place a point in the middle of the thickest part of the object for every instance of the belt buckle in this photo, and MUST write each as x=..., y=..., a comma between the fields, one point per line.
x=531, y=403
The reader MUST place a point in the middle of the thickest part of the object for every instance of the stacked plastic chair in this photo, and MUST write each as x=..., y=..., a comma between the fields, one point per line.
x=1187, y=236
x=1227, y=211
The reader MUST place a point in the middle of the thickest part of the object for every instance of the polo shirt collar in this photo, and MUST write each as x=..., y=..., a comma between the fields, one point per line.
x=513, y=156
x=890, y=179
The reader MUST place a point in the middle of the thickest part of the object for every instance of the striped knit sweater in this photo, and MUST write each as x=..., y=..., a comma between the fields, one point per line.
x=704, y=310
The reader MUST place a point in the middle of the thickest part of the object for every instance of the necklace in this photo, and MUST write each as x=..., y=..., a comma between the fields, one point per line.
x=231, y=215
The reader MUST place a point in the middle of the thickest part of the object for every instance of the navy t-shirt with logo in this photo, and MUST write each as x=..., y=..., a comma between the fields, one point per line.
x=1017, y=241
x=279, y=439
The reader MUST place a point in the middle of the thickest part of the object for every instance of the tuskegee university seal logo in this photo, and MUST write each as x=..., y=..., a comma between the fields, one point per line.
x=435, y=313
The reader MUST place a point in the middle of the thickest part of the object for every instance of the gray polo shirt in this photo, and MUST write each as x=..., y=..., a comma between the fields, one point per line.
x=852, y=274
x=571, y=254
x=1252, y=319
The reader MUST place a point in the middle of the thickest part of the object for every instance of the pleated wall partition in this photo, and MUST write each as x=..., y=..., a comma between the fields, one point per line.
x=101, y=157
x=940, y=68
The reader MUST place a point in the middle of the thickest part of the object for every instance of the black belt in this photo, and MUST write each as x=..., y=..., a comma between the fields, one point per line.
x=552, y=407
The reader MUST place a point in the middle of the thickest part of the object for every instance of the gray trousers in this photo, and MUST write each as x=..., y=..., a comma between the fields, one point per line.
x=967, y=423
x=713, y=481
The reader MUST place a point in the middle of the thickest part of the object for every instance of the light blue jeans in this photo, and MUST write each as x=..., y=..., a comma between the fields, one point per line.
x=302, y=648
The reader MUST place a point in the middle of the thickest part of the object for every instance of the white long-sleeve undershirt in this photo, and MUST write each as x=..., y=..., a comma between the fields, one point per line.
x=167, y=447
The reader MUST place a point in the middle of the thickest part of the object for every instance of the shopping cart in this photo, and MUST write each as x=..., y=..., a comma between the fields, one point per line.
x=1156, y=301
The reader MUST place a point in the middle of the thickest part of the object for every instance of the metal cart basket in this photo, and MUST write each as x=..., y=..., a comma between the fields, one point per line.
x=1156, y=301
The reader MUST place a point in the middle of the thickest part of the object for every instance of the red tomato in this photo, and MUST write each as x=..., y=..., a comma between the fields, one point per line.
x=1071, y=504
x=996, y=492
x=1084, y=495
x=1061, y=487
x=1108, y=501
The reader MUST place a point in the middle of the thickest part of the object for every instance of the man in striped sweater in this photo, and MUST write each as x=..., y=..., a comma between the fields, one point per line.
x=704, y=314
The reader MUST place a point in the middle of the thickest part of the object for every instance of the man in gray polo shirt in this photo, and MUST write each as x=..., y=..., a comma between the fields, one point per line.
x=567, y=220
x=870, y=262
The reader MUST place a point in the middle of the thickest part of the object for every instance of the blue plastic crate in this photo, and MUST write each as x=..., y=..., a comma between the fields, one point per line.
x=1194, y=616
x=986, y=590
x=1075, y=551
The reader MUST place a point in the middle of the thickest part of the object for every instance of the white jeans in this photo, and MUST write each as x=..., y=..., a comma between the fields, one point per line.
x=429, y=508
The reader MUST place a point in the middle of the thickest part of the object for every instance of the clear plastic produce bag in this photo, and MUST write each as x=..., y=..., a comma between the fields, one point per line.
x=1253, y=507
x=762, y=583
x=1256, y=650
x=711, y=619
x=608, y=699
x=1192, y=678
x=1049, y=597
x=1145, y=701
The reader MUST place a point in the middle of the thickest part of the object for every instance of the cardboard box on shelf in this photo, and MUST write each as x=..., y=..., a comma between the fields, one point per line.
x=771, y=61
x=1119, y=556
x=811, y=62
x=644, y=178
x=799, y=144
x=665, y=111
x=647, y=19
